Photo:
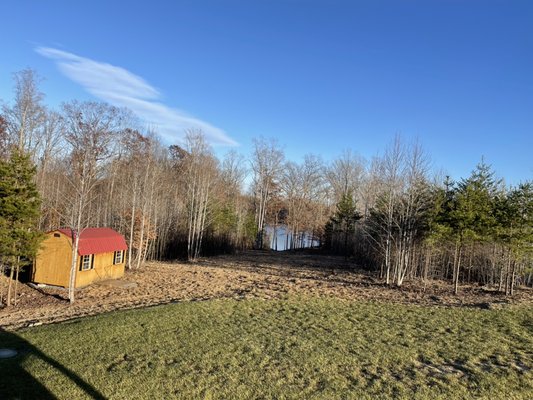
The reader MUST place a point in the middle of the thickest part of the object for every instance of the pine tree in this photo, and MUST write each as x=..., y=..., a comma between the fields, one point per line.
x=515, y=231
x=472, y=216
x=19, y=211
x=345, y=218
x=439, y=230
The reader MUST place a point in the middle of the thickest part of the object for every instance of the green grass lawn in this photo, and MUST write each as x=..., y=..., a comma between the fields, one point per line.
x=301, y=348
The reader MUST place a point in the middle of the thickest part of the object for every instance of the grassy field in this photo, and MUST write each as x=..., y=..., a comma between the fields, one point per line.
x=292, y=348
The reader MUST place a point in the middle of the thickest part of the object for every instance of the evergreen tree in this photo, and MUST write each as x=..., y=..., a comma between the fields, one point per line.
x=439, y=230
x=440, y=215
x=476, y=203
x=515, y=230
x=345, y=218
x=472, y=215
x=19, y=210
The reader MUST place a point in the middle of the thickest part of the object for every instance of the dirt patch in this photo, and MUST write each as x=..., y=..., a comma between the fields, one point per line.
x=257, y=274
x=117, y=283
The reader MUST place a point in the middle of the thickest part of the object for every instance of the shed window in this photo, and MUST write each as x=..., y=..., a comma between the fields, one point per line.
x=87, y=262
x=119, y=257
x=57, y=235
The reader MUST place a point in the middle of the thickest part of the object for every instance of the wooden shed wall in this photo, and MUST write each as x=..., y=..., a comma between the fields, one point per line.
x=103, y=269
x=52, y=264
x=53, y=261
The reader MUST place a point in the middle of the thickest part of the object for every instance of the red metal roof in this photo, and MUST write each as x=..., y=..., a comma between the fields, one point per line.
x=98, y=240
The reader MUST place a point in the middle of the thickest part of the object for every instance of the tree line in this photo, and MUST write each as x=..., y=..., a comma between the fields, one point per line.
x=92, y=164
x=410, y=225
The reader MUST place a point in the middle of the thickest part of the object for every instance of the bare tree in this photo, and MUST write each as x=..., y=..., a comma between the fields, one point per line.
x=382, y=225
x=413, y=208
x=91, y=130
x=303, y=189
x=25, y=118
x=267, y=163
x=52, y=148
x=199, y=169
x=345, y=174
x=232, y=176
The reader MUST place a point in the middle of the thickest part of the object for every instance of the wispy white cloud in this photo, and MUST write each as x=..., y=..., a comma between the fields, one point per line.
x=122, y=88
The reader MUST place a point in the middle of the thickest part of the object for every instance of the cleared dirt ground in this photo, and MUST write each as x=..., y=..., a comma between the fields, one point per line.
x=254, y=274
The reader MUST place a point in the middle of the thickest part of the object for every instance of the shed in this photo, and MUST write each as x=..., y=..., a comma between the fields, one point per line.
x=101, y=255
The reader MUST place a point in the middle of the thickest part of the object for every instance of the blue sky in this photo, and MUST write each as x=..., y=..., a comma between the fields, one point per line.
x=320, y=76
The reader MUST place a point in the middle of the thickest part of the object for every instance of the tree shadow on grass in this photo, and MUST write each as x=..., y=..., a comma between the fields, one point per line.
x=17, y=383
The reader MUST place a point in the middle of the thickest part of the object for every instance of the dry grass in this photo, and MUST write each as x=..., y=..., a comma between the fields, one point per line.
x=265, y=275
